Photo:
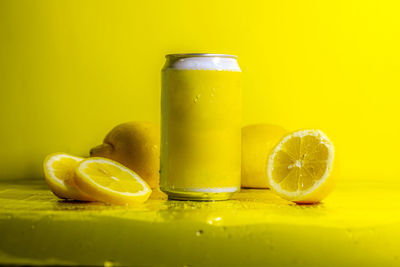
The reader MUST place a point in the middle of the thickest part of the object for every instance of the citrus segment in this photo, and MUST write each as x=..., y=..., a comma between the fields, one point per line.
x=110, y=182
x=299, y=168
x=59, y=170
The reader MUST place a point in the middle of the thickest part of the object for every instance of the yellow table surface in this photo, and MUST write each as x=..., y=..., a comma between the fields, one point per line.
x=358, y=225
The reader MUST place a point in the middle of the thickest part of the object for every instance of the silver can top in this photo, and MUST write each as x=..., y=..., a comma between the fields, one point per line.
x=202, y=61
x=200, y=55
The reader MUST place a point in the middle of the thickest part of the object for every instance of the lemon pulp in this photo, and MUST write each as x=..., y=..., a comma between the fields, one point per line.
x=112, y=177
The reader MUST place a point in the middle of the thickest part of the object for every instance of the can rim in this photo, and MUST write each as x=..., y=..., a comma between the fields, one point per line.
x=183, y=55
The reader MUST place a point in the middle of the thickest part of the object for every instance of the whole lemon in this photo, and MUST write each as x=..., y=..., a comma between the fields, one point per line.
x=135, y=145
x=257, y=142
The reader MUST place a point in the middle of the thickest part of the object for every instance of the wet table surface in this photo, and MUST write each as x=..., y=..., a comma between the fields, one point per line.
x=359, y=224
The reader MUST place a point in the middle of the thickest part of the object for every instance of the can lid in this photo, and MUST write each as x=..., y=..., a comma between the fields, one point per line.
x=197, y=61
x=183, y=55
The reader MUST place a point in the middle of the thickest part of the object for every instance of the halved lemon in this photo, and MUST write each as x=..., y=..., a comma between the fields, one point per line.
x=300, y=166
x=59, y=172
x=110, y=182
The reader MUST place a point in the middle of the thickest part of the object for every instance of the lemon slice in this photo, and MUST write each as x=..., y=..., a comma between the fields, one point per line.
x=110, y=182
x=59, y=172
x=300, y=167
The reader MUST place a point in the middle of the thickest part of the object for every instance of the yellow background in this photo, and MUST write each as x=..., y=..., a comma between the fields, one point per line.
x=71, y=70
